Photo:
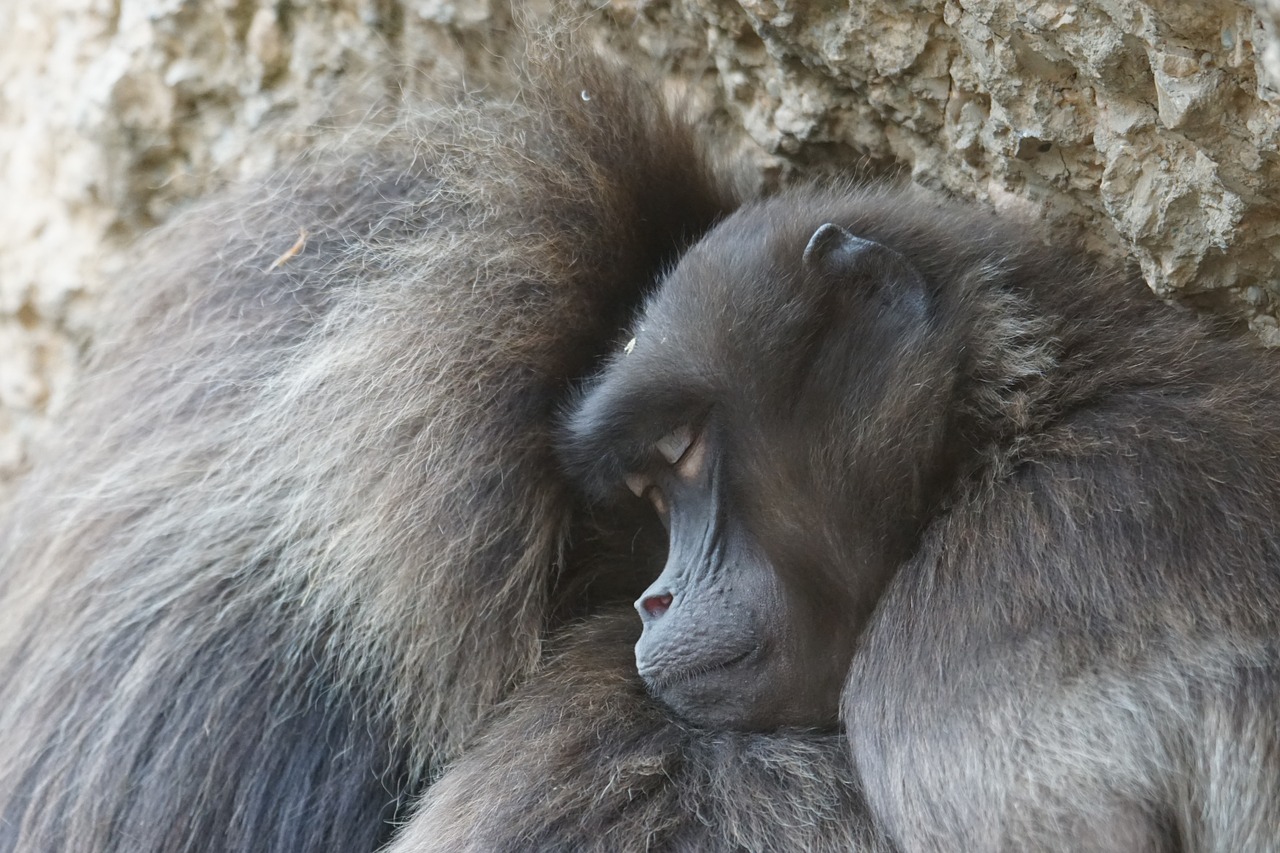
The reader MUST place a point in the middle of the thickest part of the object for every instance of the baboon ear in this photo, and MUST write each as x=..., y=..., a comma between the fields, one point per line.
x=832, y=246
x=834, y=251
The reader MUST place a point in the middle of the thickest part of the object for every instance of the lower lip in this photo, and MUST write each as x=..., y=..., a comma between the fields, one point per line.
x=664, y=681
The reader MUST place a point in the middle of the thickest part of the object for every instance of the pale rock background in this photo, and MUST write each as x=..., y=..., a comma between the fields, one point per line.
x=1153, y=125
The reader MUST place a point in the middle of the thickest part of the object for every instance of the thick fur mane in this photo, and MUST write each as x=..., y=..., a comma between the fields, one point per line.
x=303, y=528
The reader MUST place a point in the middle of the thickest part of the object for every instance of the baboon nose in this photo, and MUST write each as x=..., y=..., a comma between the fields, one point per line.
x=654, y=606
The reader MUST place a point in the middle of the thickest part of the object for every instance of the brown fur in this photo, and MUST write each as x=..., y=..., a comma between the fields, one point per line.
x=303, y=528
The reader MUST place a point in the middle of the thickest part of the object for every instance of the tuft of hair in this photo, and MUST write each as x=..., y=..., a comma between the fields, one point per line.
x=303, y=527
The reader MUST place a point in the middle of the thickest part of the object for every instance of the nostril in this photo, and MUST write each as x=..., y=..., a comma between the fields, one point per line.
x=656, y=605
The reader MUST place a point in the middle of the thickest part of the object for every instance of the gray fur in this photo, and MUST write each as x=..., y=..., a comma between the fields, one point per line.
x=1032, y=515
x=582, y=759
x=299, y=548
x=303, y=528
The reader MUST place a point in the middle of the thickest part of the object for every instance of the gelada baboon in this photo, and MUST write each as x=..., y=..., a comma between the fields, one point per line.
x=305, y=527
x=1047, y=501
x=305, y=534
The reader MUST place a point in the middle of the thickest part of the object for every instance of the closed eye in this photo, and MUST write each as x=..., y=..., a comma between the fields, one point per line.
x=682, y=450
x=674, y=445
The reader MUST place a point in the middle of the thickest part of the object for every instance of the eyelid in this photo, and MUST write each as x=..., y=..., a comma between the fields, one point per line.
x=676, y=448
x=675, y=444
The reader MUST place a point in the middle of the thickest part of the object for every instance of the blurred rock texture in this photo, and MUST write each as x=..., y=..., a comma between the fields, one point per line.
x=1153, y=125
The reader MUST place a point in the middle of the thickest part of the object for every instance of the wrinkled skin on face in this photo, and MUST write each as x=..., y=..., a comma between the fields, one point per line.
x=726, y=641
x=740, y=411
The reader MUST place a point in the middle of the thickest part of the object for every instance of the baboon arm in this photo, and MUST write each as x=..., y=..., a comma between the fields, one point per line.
x=1066, y=645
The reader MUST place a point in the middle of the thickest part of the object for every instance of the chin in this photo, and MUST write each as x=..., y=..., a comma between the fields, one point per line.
x=722, y=699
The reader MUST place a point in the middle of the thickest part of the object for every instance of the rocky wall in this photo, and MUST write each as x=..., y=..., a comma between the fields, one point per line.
x=1153, y=125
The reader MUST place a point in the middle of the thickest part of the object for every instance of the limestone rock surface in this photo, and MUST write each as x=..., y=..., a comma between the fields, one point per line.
x=1154, y=125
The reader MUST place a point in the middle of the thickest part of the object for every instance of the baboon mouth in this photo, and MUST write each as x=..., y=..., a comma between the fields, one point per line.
x=659, y=678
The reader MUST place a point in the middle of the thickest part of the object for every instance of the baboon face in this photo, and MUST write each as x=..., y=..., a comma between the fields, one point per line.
x=728, y=640
x=746, y=410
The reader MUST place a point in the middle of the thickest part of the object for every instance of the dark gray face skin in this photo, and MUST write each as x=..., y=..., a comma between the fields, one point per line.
x=787, y=456
x=725, y=642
